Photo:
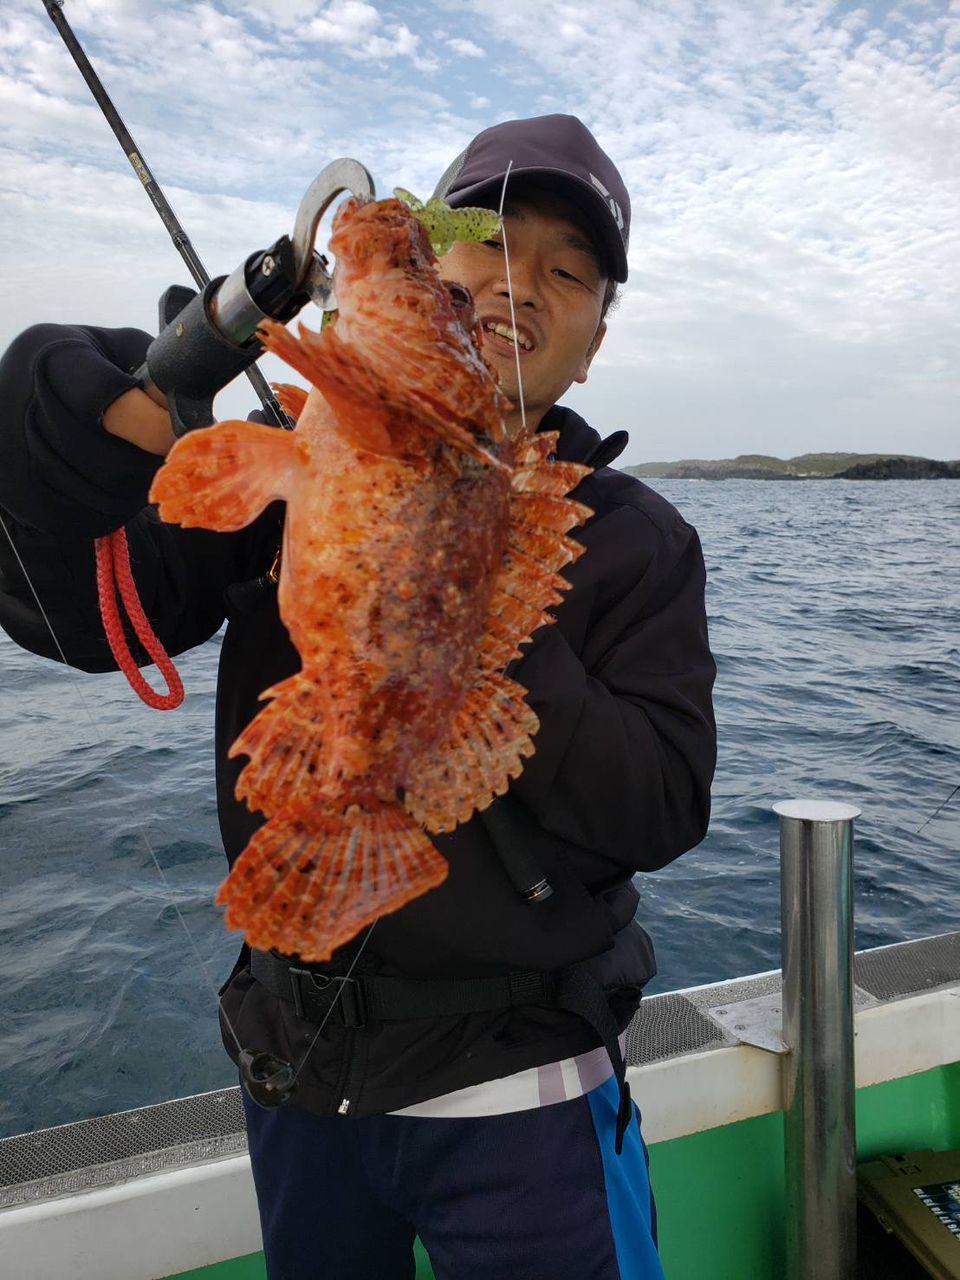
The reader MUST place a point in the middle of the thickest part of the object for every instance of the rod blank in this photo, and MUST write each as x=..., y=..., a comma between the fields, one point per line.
x=181, y=241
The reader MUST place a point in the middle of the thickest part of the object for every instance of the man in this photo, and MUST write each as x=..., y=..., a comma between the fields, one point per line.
x=458, y=1069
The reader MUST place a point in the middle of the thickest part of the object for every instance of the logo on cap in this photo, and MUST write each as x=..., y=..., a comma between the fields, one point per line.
x=613, y=206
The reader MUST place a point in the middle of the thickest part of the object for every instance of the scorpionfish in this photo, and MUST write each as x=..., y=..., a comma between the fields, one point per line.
x=422, y=546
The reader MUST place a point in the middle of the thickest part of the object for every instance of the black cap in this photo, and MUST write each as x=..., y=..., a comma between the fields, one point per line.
x=560, y=147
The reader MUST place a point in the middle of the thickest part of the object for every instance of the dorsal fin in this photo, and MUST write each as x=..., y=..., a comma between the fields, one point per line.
x=494, y=728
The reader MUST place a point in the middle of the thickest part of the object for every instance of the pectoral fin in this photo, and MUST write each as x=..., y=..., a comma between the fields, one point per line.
x=223, y=477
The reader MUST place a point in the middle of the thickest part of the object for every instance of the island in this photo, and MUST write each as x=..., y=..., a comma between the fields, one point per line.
x=808, y=466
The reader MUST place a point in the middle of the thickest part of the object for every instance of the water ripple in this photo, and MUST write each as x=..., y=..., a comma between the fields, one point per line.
x=835, y=615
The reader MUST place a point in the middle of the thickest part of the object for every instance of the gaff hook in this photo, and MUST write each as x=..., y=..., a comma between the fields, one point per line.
x=311, y=269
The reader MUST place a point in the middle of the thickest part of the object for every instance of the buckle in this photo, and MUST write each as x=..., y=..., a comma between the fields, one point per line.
x=317, y=996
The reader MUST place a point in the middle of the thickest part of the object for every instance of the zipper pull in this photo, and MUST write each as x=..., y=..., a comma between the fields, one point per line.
x=344, y=1107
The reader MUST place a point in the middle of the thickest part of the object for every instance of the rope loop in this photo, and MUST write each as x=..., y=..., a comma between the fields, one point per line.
x=113, y=573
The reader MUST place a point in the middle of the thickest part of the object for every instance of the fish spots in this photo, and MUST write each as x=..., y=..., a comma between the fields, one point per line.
x=392, y=591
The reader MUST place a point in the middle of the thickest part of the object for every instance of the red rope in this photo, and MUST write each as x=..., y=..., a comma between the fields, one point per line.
x=113, y=571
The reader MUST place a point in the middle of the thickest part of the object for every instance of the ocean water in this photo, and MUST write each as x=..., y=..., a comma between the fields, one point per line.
x=835, y=617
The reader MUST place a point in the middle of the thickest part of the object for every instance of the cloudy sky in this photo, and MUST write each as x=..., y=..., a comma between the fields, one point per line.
x=794, y=167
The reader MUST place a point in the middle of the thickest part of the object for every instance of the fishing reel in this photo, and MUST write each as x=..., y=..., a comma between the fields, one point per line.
x=207, y=338
x=269, y=1081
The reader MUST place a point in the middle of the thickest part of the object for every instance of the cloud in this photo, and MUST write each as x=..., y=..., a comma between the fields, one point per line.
x=795, y=171
x=355, y=29
x=465, y=48
x=791, y=167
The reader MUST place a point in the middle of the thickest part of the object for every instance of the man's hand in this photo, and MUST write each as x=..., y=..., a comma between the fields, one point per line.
x=142, y=418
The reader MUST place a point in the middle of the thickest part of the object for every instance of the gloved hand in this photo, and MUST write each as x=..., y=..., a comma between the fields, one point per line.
x=60, y=469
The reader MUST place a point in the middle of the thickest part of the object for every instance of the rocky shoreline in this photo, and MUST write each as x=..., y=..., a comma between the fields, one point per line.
x=838, y=466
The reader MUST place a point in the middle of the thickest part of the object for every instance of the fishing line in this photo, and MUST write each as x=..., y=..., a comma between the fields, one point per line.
x=940, y=810
x=43, y=612
x=102, y=742
x=333, y=1003
x=142, y=832
x=513, y=313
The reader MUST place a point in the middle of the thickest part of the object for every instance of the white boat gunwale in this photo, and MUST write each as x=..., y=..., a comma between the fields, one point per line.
x=174, y=1191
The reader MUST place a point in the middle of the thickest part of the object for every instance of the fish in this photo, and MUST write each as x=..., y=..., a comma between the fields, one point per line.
x=422, y=547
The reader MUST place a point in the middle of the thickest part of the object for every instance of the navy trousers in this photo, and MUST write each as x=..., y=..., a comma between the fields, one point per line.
x=531, y=1195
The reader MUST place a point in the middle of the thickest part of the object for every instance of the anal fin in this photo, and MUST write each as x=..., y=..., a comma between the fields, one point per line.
x=490, y=736
x=285, y=745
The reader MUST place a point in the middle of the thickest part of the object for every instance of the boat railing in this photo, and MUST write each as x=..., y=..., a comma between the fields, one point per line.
x=819, y=1091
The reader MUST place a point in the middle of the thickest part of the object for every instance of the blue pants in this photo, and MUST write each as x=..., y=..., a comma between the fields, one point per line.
x=532, y=1195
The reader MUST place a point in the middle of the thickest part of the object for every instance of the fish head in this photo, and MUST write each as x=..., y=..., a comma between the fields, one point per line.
x=414, y=338
x=377, y=236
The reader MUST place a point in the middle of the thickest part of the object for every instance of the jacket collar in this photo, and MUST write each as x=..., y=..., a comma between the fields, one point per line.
x=579, y=442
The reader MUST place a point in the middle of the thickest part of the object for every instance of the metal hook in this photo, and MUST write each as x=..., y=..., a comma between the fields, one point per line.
x=311, y=269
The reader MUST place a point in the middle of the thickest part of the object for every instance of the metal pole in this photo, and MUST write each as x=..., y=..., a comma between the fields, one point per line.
x=816, y=902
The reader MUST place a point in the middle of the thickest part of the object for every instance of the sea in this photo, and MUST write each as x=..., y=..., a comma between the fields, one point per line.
x=834, y=611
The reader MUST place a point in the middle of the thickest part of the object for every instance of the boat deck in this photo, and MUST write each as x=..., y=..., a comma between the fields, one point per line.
x=166, y=1190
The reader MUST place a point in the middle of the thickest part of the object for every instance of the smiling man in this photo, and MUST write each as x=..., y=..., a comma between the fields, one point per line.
x=565, y=231
x=560, y=284
x=518, y=1153
x=468, y=1083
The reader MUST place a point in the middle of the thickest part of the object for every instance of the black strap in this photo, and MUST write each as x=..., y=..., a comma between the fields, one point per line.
x=579, y=992
x=353, y=1001
x=393, y=999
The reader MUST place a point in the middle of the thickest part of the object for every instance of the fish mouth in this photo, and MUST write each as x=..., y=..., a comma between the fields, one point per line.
x=503, y=335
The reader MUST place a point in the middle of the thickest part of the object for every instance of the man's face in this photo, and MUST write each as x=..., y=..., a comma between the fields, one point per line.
x=558, y=288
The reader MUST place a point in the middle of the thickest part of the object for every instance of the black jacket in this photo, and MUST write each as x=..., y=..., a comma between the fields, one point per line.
x=621, y=683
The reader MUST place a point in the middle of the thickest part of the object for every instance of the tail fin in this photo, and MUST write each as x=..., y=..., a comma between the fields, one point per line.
x=305, y=885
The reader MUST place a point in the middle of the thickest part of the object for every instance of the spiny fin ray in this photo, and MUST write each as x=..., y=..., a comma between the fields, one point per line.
x=291, y=397
x=305, y=886
x=490, y=736
x=223, y=477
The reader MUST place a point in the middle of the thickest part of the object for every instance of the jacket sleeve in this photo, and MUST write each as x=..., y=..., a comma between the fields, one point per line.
x=65, y=481
x=627, y=742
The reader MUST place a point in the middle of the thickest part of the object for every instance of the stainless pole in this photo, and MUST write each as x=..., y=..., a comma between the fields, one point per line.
x=816, y=903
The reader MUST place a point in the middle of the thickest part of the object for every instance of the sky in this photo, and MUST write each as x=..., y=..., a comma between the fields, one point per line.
x=794, y=171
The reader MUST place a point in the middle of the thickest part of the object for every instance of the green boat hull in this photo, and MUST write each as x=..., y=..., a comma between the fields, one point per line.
x=730, y=1180
x=167, y=1192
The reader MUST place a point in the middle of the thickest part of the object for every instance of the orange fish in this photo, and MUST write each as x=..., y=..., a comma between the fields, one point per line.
x=421, y=548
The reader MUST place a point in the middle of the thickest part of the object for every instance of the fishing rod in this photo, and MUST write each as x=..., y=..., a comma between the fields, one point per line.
x=206, y=338
x=181, y=241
